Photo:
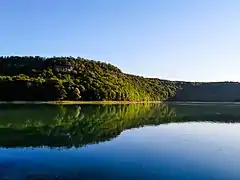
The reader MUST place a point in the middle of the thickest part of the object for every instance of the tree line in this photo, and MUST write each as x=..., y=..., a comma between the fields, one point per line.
x=37, y=78
x=68, y=78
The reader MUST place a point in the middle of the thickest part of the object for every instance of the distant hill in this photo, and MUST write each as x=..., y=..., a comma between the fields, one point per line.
x=67, y=78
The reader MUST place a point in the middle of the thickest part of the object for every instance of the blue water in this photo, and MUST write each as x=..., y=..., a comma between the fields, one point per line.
x=171, y=151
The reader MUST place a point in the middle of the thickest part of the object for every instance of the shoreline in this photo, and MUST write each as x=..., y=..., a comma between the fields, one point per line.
x=80, y=102
x=119, y=102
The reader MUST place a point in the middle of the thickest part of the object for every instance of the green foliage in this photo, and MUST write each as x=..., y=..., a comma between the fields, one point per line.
x=57, y=78
x=63, y=78
x=76, y=94
x=209, y=92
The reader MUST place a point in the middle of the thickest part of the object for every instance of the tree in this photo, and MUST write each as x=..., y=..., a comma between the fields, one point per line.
x=76, y=94
x=60, y=92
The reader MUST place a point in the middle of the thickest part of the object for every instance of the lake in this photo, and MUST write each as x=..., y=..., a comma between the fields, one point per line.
x=136, y=141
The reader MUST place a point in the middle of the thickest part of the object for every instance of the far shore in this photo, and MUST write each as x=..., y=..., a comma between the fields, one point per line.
x=121, y=102
x=201, y=103
x=78, y=102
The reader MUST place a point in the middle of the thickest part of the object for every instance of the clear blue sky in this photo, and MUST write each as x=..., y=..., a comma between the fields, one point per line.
x=195, y=40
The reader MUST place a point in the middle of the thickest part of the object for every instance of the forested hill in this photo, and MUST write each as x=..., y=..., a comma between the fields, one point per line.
x=67, y=78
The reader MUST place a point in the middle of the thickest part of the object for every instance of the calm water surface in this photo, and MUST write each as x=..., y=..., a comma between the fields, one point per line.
x=145, y=141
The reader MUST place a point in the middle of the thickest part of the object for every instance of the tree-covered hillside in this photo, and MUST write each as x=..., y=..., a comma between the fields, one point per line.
x=67, y=78
x=209, y=92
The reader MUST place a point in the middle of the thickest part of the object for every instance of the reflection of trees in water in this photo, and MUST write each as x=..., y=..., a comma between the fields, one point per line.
x=78, y=126
x=88, y=124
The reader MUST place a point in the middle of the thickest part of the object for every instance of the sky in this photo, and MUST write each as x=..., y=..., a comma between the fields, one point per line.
x=191, y=40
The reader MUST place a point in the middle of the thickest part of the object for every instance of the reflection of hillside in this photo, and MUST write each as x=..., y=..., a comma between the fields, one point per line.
x=67, y=126
x=205, y=108
x=207, y=112
x=21, y=114
x=78, y=126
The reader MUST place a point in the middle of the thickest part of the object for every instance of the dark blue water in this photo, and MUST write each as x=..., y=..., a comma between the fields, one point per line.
x=120, y=142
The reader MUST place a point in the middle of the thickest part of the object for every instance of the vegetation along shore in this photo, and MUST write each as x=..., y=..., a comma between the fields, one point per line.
x=76, y=80
x=79, y=102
